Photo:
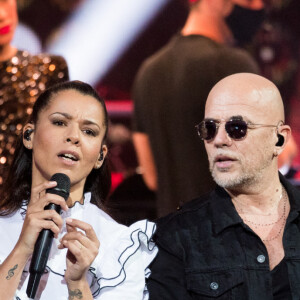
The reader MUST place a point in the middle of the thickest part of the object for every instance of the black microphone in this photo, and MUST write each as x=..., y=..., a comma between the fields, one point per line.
x=43, y=244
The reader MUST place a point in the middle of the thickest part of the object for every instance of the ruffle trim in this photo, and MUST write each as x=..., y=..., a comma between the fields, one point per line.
x=140, y=239
x=109, y=270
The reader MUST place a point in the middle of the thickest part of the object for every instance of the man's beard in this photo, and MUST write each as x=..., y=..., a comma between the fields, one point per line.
x=232, y=181
x=246, y=174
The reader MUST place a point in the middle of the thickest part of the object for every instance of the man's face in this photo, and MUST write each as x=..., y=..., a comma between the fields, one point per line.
x=235, y=163
x=252, y=4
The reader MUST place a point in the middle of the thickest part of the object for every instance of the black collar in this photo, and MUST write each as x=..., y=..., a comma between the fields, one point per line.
x=225, y=215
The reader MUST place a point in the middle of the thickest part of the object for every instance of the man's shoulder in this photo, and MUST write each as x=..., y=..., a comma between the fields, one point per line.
x=237, y=59
x=196, y=45
x=192, y=213
x=157, y=59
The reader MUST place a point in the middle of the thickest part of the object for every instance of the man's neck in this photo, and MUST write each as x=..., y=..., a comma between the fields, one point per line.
x=259, y=197
x=207, y=25
x=7, y=52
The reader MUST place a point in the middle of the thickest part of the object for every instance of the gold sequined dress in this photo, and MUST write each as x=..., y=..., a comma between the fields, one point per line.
x=22, y=79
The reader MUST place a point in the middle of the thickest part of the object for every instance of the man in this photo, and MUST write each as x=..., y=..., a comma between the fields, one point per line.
x=170, y=91
x=242, y=241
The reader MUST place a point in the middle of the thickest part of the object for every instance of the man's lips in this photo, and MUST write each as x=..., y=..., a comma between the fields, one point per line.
x=224, y=161
x=5, y=29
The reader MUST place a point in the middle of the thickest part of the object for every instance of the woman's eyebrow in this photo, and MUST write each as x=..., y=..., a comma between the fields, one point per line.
x=66, y=115
x=90, y=122
x=69, y=117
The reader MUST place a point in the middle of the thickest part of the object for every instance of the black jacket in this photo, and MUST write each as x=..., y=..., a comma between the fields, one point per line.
x=207, y=252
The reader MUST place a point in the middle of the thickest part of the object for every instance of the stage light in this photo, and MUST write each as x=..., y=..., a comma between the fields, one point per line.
x=99, y=32
x=26, y=39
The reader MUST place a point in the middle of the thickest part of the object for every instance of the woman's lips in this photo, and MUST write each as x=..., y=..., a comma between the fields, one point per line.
x=5, y=29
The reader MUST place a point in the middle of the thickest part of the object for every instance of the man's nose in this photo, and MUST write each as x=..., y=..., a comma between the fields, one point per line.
x=222, y=138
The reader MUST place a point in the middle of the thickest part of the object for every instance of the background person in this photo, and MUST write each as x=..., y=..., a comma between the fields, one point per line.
x=22, y=78
x=242, y=240
x=92, y=256
x=170, y=91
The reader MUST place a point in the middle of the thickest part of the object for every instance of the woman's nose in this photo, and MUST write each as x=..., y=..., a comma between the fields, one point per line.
x=73, y=140
x=72, y=135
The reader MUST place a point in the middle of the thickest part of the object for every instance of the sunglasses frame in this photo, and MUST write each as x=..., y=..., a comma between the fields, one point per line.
x=219, y=122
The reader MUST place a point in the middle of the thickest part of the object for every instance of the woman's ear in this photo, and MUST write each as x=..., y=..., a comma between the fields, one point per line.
x=101, y=157
x=28, y=135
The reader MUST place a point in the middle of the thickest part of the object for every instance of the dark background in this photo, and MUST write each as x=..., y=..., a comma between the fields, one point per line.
x=275, y=47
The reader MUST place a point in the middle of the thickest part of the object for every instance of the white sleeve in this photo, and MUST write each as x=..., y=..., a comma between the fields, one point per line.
x=123, y=269
x=133, y=285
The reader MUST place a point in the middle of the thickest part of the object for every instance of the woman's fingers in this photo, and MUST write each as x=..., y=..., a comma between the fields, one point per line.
x=80, y=235
x=56, y=199
x=38, y=191
x=46, y=219
x=45, y=200
x=37, y=218
x=87, y=228
x=83, y=247
x=40, y=197
x=79, y=254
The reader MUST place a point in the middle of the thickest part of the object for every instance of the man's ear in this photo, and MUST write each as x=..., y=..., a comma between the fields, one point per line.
x=283, y=136
x=28, y=135
x=101, y=157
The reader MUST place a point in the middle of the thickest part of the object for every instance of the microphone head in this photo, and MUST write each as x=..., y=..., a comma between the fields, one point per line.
x=63, y=185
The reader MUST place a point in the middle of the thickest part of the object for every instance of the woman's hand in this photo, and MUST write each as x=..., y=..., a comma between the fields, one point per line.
x=82, y=249
x=38, y=219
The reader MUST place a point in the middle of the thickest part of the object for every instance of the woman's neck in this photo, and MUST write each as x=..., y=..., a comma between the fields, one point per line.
x=7, y=52
x=75, y=196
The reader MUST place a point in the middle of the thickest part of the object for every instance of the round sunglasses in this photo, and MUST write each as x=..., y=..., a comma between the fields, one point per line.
x=236, y=129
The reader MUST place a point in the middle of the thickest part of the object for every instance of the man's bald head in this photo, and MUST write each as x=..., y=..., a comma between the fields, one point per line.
x=251, y=91
x=237, y=163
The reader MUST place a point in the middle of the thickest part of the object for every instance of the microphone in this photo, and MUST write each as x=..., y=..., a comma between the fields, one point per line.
x=43, y=244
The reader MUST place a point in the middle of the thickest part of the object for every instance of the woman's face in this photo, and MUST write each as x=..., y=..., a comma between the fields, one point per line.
x=8, y=21
x=67, y=138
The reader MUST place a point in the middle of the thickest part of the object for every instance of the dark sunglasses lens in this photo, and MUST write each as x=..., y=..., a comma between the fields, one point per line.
x=207, y=130
x=236, y=129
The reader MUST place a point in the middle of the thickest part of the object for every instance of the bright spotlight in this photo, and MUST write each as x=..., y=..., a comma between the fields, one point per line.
x=99, y=32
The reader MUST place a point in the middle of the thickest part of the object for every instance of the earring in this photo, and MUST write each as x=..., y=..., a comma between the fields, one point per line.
x=27, y=134
x=98, y=164
x=101, y=156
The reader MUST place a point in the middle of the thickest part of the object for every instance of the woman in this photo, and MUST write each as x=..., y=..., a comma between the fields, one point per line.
x=92, y=256
x=22, y=78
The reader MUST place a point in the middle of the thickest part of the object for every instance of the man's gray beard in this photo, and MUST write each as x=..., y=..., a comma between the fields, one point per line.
x=236, y=182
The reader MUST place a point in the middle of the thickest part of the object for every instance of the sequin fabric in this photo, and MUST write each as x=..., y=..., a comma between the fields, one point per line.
x=22, y=79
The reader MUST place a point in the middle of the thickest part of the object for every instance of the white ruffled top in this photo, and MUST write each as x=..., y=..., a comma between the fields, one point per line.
x=119, y=270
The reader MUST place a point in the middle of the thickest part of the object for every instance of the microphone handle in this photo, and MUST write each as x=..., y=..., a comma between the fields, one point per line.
x=40, y=256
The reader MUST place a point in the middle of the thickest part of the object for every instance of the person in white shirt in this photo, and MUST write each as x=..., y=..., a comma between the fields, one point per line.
x=92, y=256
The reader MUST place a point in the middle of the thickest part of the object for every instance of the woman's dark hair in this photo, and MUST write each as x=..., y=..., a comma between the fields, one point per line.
x=17, y=187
